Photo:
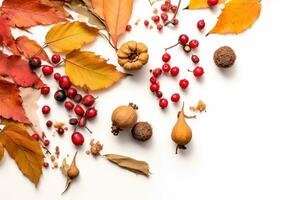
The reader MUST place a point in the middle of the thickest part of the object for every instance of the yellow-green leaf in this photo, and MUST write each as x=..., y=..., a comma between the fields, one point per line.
x=66, y=37
x=90, y=71
x=23, y=149
x=237, y=16
x=200, y=4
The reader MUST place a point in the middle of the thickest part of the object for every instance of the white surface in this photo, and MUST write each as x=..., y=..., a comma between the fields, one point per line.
x=245, y=147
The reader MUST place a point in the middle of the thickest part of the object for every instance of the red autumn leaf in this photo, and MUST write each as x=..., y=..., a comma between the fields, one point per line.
x=11, y=102
x=31, y=48
x=6, y=37
x=18, y=69
x=29, y=13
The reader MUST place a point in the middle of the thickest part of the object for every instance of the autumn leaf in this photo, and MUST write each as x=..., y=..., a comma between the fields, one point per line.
x=58, y=5
x=24, y=14
x=90, y=71
x=6, y=36
x=65, y=37
x=116, y=15
x=200, y=4
x=98, y=7
x=11, y=102
x=31, y=48
x=1, y=151
x=237, y=16
x=23, y=149
x=136, y=166
x=18, y=69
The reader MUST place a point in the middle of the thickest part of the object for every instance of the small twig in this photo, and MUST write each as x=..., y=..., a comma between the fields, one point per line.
x=108, y=39
x=170, y=47
x=175, y=14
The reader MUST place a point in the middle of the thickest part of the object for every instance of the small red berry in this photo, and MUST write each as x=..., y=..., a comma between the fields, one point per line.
x=45, y=90
x=163, y=103
x=77, y=139
x=153, y=79
x=36, y=136
x=166, y=67
x=69, y=105
x=212, y=2
x=175, y=97
x=183, y=83
x=71, y=93
x=73, y=121
x=78, y=98
x=49, y=123
x=164, y=7
x=128, y=28
x=57, y=76
x=91, y=113
x=195, y=59
x=60, y=95
x=64, y=82
x=159, y=27
x=201, y=24
x=155, y=18
x=164, y=16
x=175, y=22
x=146, y=23
x=174, y=71
x=55, y=58
x=79, y=110
x=159, y=94
x=46, y=143
x=198, y=71
x=154, y=87
x=156, y=72
x=183, y=39
x=46, y=165
x=88, y=100
x=173, y=9
x=194, y=44
x=46, y=110
x=82, y=122
x=60, y=131
x=47, y=70
x=34, y=62
x=166, y=57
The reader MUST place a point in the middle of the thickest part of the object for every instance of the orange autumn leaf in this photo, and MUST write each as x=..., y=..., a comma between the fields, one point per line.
x=23, y=149
x=31, y=48
x=98, y=7
x=11, y=102
x=6, y=36
x=29, y=13
x=1, y=151
x=200, y=4
x=237, y=16
x=116, y=15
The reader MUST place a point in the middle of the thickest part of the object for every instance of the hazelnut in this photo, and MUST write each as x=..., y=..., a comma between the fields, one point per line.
x=224, y=57
x=142, y=131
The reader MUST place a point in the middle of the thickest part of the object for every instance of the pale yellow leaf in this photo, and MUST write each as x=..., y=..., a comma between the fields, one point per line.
x=65, y=37
x=200, y=4
x=90, y=71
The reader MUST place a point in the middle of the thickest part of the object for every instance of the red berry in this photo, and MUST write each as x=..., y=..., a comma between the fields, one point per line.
x=91, y=113
x=164, y=7
x=88, y=100
x=45, y=90
x=55, y=58
x=194, y=44
x=46, y=143
x=163, y=103
x=212, y=2
x=164, y=16
x=198, y=71
x=57, y=76
x=69, y=105
x=173, y=9
x=36, y=136
x=183, y=39
x=46, y=110
x=73, y=121
x=60, y=131
x=175, y=97
x=60, y=95
x=154, y=87
x=166, y=67
x=156, y=72
x=159, y=94
x=71, y=92
x=201, y=24
x=195, y=59
x=183, y=83
x=174, y=71
x=78, y=98
x=128, y=28
x=34, y=62
x=153, y=79
x=77, y=139
x=47, y=70
x=64, y=82
x=49, y=123
x=146, y=23
x=166, y=57
x=159, y=27
x=175, y=22
x=155, y=18
x=79, y=110
x=46, y=165
x=82, y=122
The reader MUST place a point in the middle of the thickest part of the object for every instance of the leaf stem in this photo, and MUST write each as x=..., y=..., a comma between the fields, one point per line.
x=108, y=39
x=175, y=14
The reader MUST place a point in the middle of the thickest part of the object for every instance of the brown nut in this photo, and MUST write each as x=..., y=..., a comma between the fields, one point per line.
x=224, y=57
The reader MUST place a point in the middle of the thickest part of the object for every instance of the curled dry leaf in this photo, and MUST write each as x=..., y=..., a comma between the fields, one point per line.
x=23, y=149
x=31, y=48
x=136, y=166
x=65, y=37
x=1, y=151
x=24, y=14
x=98, y=7
x=11, y=102
x=237, y=16
x=18, y=69
x=90, y=71
x=200, y=4
x=6, y=37
x=116, y=15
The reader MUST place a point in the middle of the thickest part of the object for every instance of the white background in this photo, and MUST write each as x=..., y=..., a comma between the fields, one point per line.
x=245, y=147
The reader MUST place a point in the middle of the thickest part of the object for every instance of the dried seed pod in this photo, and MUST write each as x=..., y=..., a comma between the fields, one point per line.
x=142, y=131
x=224, y=57
x=72, y=172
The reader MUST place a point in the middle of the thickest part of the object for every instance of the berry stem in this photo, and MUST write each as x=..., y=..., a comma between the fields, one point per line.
x=108, y=39
x=175, y=14
x=170, y=47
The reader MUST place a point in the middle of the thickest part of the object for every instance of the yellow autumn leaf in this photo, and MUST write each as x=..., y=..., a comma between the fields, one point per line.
x=65, y=37
x=237, y=16
x=200, y=4
x=116, y=15
x=23, y=149
x=90, y=71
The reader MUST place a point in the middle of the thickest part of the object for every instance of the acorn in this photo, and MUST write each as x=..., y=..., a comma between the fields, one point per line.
x=142, y=131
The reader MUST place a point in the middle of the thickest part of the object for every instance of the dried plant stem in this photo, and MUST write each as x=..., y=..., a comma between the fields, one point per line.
x=170, y=47
x=108, y=39
x=175, y=14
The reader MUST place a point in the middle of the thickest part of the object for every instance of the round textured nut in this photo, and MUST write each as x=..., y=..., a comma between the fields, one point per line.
x=224, y=57
x=142, y=131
